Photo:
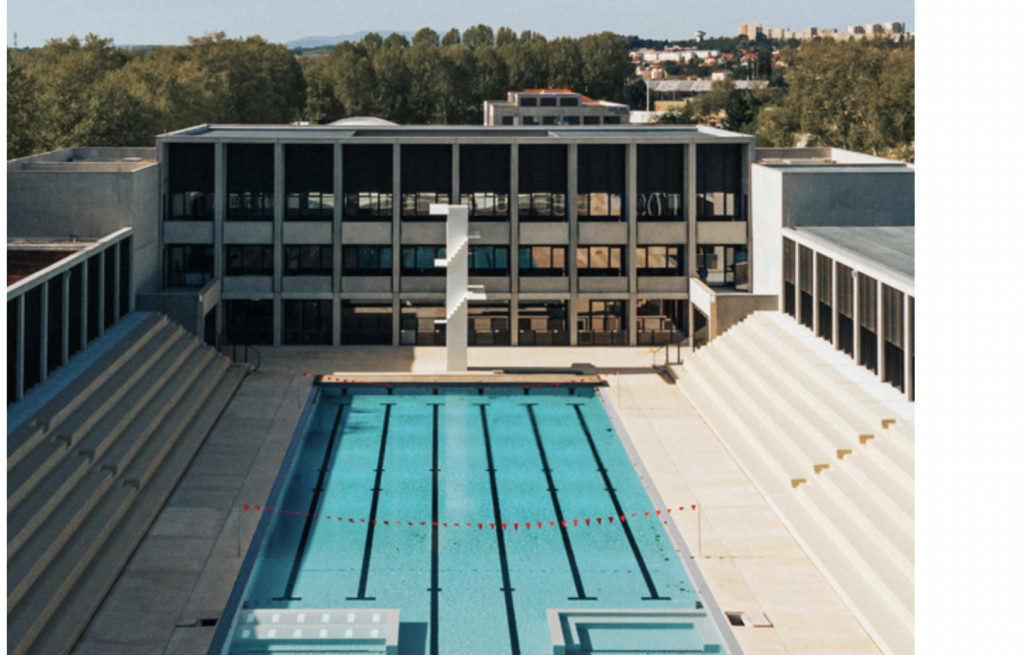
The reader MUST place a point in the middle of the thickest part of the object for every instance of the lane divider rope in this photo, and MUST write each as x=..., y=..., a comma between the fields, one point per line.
x=585, y=522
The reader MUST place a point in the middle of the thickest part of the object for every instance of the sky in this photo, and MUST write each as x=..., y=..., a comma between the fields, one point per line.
x=151, y=22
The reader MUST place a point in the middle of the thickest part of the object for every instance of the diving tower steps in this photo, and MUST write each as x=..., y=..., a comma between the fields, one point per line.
x=825, y=455
x=93, y=467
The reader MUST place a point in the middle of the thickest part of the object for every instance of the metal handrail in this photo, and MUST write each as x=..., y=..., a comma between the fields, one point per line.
x=245, y=354
x=667, y=348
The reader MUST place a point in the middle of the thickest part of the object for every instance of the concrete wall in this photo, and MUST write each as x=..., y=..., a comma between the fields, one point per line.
x=848, y=197
x=766, y=207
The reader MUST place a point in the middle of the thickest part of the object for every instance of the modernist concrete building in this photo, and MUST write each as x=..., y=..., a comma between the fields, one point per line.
x=845, y=263
x=322, y=235
x=553, y=107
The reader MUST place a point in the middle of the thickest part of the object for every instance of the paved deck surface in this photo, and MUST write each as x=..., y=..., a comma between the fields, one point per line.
x=182, y=573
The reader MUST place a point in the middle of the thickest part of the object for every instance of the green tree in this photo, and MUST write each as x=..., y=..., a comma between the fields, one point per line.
x=505, y=36
x=565, y=64
x=426, y=37
x=322, y=104
x=683, y=115
x=20, y=108
x=478, y=35
x=396, y=41
x=451, y=37
x=607, y=68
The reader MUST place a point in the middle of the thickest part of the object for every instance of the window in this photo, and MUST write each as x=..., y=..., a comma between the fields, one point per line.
x=719, y=191
x=249, y=322
x=308, y=260
x=508, y=120
x=250, y=182
x=485, y=181
x=309, y=182
x=489, y=324
x=591, y=120
x=601, y=323
x=488, y=261
x=249, y=260
x=426, y=179
x=660, y=183
x=542, y=261
x=543, y=324
x=660, y=261
x=660, y=321
x=571, y=120
x=419, y=326
x=605, y=261
x=727, y=266
x=188, y=266
x=527, y=101
x=550, y=120
x=419, y=260
x=543, y=182
x=368, y=177
x=190, y=183
x=530, y=120
x=308, y=322
x=548, y=101
x=601, y=183
x=366, y=323
x=570, y=102
x=366, y=261
x=612, y=120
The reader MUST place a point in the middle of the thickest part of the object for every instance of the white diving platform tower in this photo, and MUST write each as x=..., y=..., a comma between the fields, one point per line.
x=458, y=291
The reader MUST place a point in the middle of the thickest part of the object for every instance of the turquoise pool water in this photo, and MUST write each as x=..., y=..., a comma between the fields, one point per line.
x=388, y=466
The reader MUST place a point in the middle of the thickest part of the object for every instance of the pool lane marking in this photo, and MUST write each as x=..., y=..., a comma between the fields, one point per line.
x=618, y=509
x=368, y=548
x=300, y=551
x=506, y=581
x=434, y=539
x=581, y=593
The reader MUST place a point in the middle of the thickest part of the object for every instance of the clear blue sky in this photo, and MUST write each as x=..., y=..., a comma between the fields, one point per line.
x=170, y=22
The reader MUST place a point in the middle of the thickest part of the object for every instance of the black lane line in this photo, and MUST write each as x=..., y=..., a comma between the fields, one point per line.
x=506, y=581
x=434, y=543
x=581, y=593
x=372, y=525
x=300, y=552
x=618, y=510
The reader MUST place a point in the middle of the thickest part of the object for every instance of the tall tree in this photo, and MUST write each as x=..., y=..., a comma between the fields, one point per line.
x=451, y=37
x=20, y=108
x=607, y=67
x=426, y=37
x=478, y=35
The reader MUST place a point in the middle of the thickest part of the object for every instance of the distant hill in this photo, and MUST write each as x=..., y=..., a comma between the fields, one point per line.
x=316, y=41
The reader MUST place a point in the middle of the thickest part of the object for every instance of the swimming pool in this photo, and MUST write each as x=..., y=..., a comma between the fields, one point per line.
x=489, y=517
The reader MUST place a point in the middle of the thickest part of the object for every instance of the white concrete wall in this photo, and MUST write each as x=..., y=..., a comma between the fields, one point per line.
x=766, y=232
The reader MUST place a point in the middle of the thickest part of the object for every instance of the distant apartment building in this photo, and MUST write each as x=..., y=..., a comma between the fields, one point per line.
x=553, y=107
x=750, y=30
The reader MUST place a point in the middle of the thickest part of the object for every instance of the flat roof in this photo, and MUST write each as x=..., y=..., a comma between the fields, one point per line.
x=300, y=132
x=888, y=247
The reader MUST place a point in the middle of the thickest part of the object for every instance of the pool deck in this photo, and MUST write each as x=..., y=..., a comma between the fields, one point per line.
x=180, y=577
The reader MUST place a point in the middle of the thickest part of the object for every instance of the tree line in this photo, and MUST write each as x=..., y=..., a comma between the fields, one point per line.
x=855, y=95
x=75, y=92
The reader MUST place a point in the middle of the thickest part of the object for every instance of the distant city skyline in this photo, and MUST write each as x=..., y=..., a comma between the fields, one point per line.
x=145, y=22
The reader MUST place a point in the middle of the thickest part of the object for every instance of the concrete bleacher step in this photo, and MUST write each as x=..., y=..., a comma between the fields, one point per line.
x=23, y=518
x=50, y=417
x=827, y=444
x=24, y=564
x=842, y=371
x=37, y=463
x=156, y=483
x=885, y=617
x=845, y=398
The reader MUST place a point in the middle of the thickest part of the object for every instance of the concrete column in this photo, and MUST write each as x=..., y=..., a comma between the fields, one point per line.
x=457, y=293
x=629, y=210
x=44, y=329
x=279, y=205
x=65, y=316
x=161, y=213
x=396, y=241
x=117, y=281
x=690, y=191
x=835, y=304
x=692, y=330
x=747, y=158
x=220, y=206
x=574, y=240
x=880, y=328
x=101, y=260
x=513, y=209
x=907, y=377
x=797, y=290
x=336, y=228
x=455, y=175
x=815, y=318
x=84, y=290
x=856, y=318
x=396, y=320
x=19, y=355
